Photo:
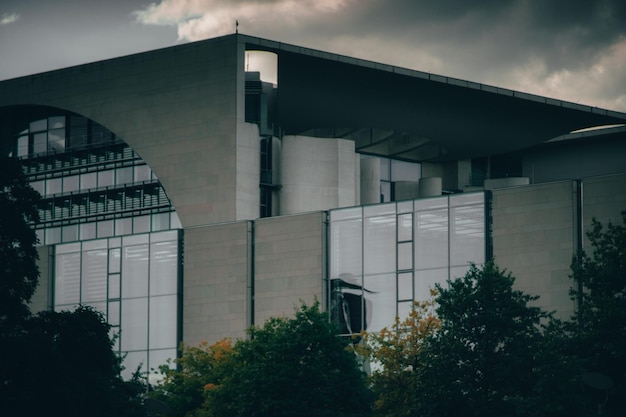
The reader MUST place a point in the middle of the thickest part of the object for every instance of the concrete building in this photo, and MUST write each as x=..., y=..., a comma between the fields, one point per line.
x=188, y=199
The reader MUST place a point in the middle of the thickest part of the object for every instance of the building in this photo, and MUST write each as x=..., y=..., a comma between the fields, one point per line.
x=187, y=199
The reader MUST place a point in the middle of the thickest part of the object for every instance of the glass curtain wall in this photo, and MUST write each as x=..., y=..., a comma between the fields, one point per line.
x=134, y=281
x=384, y=257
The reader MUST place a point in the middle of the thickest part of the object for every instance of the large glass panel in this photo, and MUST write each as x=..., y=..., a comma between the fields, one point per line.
x=160, y=221
x=105, y=228
x=67, y=278
x=404, y=309
x=135, y=271
x=94, y=275
x=379, y=244
x=345, y=214
x=162, y=322
x=114, y=260
x=431, y=239
x=379, y=209
x=133, y=361
x=40, y=142
x=380, y=304
x=134, y=324
x=158, y=358
x=114, y=286
x=123, y=226
x=113, y=315
x=53, y=235
x=467, y=242
x=425, y=281
x=346, y=249
x=164, y=268
x=175, y=221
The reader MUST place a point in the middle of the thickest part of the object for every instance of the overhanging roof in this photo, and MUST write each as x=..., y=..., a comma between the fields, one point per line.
x=413, y=115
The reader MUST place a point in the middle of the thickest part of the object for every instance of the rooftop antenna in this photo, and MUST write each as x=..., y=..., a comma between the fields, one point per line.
x=236, y=26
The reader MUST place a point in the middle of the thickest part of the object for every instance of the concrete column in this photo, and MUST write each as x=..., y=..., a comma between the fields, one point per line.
x=370, y=181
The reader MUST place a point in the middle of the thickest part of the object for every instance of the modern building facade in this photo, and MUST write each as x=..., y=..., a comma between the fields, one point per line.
x=188, y=199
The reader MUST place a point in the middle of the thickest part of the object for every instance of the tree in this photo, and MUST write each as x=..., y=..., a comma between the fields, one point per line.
x=18, y=256
x=481, y=360
x=398, y=355
x=62, y=363
x=598, y=327
x=292, y=367
x=198, y=369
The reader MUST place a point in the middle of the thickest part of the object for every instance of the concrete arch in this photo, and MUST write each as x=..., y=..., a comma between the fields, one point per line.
x=180, y=108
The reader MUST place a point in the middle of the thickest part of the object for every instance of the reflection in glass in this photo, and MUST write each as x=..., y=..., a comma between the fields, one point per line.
x=383, y=300
x=346, y=248
x=431, y=239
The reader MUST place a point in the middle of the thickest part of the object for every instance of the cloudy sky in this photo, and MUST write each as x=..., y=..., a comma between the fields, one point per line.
x=573, y=50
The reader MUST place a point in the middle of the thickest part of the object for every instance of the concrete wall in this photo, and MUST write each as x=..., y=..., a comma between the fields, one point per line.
x=289, y=263
x=216, y=291
x=318, y=174
x=248, y=168
x=370, y=180
x=534, y=237
x=178, y=107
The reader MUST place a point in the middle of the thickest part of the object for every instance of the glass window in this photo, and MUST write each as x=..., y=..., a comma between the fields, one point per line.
x=426, y=280
x=88, y=180
x=113, y=314
x=380, y=304
x=54, y=186
x=160, y=221
x=22, y=146
x=124, y=175
x=53, y=235
x=106, y=178
x=162, y=322
x=141, y=224
x=67, y=278
x=40, y=142
x=405, y=286
x=405, y=227
x=431, y=239
x=163, y=268
x=56, y=122
x=467, y=235
x=346, y=248
x=114, y=286
x=38, y=125
x=134, y=324
x=175, y=221
x=114, y=260
x=105, y=228
x=133, y=360
x=405, y=255
x=135, y=271
x=70, y=233
x=379, y=243
x=56, y=140
x=94, y=275
x=71, y=183
x=39, y=186
x=142, y=173
x=404, y=309
x=124, y=226
x=87, y=231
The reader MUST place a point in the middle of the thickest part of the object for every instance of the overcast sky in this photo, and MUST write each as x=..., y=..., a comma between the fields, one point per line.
x=573, y=50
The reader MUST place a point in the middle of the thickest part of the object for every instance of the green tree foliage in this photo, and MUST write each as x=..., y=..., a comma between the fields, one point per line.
x=293, y=367
x=62, y=363
x=289, y=367
x=397, y=354
x=481, y=361
x=18, y=257
x=198, y=370
x=598, y=329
